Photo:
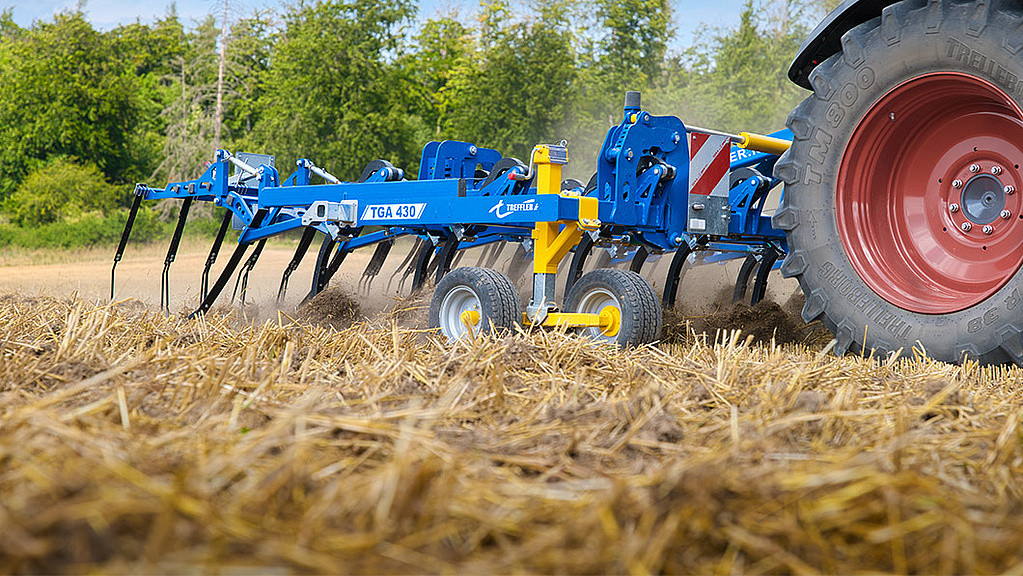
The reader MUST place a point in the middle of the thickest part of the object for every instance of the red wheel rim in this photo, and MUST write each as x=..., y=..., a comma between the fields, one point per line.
x=926, y=199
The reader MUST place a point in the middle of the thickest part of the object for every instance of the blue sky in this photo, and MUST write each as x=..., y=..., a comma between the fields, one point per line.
x=106, y=14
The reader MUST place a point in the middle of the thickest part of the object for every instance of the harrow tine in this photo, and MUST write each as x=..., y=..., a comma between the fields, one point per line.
x=742, y=280
x=214, y=252
x=675, y=272
x=124, y=239
x=172, y=253
x=300, y=252
x=228, y=271
x=442, y=261
x=760, y=284
x=639, y=259
x=243, y=275
x=575, y=270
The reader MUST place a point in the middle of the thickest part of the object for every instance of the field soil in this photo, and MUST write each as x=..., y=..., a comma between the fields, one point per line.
x=135, y=442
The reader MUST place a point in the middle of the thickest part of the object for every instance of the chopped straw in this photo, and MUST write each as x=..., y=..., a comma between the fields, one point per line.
x=133, y=442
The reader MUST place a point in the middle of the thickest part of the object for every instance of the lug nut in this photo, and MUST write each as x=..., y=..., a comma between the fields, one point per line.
x=996, y=170
x=974, y=168
x=966, y=226
x=1010, y=189
x=953, y=208
x=988, y=229
x=1006, y=214
x=957, y=183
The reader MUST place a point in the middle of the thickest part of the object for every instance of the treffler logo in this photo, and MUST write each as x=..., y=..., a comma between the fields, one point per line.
x=502, y=210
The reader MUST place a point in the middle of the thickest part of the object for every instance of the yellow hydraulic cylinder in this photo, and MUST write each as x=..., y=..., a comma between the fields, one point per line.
x=768, y=144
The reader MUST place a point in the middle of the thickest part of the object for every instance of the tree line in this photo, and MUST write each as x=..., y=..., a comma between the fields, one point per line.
x=86, y=113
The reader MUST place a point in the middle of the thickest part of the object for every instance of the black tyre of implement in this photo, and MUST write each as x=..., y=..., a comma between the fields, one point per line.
x=498, y=301
x=982, y=39
x=637, y=303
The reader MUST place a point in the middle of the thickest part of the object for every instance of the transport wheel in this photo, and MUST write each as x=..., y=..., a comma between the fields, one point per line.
x=477, y=299
x=626, y=296
x=901, y=207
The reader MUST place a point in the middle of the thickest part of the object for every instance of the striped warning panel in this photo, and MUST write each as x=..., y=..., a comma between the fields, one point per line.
x=708, y=164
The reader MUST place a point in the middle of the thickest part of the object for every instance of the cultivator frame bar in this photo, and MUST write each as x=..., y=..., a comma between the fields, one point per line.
x=659, y=188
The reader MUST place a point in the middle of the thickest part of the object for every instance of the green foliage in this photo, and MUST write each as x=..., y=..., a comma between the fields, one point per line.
x=331, y=94
x=62, y=189
x=342, y=82
x=92, y=229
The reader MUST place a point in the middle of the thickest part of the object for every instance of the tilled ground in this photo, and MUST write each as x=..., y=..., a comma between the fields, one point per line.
x=134, y=442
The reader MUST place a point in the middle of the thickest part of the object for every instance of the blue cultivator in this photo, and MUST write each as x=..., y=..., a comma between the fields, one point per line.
x=659, y=188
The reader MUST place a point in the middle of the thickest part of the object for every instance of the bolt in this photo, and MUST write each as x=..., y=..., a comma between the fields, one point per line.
x=891, y=116
x=953, y=208
x=678, y=238
x=957, y=183
x=996, y=170
x=698, y=206
x=472, y=150
x=628, y=153
x=1010, y=189
x=974, y=168
x=966, y=226
x=988, y=229
x=1006, y=214
x=675, y=138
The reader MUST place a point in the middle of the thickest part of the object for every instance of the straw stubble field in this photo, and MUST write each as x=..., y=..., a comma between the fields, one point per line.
x=135, y=442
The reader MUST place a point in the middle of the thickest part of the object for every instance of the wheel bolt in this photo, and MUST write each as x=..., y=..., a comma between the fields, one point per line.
x=966, y=226
x=1006, y=214
x=996, y=170
x=953, y=208
x=957, y=183
x=988, y=229
x=974, y=168
x=1010, y=189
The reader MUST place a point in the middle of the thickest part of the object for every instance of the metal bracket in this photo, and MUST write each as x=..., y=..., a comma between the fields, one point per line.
x=345, y=212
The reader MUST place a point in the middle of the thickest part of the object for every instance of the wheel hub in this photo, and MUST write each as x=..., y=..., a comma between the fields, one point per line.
x=926, y=202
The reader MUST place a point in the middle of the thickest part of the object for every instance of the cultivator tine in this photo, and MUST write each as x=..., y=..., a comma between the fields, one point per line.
x=639, y=259
x=675, y=273
x=300, y=251
x=124, y=239
x=520, y=264
x=214, y=252
x=243, y=275
x=575, y=270
x=405, y=268
x=228, y=271
x=742, y=280
x=322, y=263
x=422, y=265
x=376, y=262
x=760, y=284
x=172, y=253
x=443, y=260
x=495, y=254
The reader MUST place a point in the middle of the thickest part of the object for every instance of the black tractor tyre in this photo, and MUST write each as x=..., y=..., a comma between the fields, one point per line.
x=638, y=306
x=489, y=292
x=966, y=48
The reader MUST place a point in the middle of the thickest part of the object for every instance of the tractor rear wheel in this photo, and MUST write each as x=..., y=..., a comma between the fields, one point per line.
x=901, y=209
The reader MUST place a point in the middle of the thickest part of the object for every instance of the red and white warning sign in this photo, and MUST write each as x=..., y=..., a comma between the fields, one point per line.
x=708, y=164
